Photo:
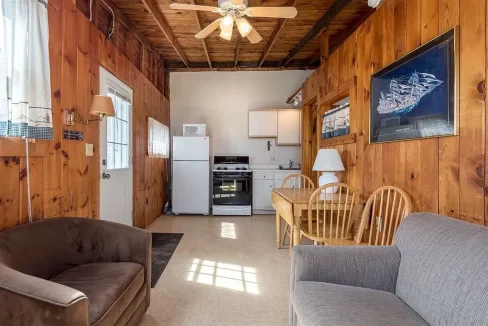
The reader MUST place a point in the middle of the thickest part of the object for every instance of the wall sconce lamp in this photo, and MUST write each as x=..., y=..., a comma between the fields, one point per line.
x=102, y=106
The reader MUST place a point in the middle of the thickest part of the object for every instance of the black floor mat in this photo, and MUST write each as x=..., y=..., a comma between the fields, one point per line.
x=163, y=247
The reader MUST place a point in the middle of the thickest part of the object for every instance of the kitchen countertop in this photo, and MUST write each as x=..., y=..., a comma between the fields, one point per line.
x=270, y=168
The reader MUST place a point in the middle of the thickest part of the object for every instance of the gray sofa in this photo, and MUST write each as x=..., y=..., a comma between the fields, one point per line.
x=436, y=274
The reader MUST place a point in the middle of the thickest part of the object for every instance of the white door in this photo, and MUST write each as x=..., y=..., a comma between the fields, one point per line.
x=116, y=153
x=191, y=187
x=191, y=148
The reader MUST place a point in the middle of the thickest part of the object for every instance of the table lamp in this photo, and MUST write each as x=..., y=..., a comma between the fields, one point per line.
x=328, y=161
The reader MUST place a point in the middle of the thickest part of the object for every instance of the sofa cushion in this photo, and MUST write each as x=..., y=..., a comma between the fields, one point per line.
x=318, y=303
x=110, y=287
x=443, y=269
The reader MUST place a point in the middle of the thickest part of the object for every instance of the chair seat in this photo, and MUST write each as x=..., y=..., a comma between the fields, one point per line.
x=318, y=303
x=328, y=240
x=110, y=287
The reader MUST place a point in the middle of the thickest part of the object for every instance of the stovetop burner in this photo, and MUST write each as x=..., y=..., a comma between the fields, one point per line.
x=231, y=163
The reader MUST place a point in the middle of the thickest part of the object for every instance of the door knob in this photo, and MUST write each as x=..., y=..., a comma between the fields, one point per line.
x=105, y=176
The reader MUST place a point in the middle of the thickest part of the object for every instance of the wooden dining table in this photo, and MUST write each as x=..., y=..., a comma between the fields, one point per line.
x=290, y=203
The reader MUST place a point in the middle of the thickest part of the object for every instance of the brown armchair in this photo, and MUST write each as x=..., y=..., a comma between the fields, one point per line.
x=74, y=271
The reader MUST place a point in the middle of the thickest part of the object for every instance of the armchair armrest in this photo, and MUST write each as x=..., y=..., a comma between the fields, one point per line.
x=28, y=300
x=368, y=267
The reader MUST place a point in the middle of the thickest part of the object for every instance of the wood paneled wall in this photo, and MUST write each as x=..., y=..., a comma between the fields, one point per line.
x=65, y=182
x=442, y=175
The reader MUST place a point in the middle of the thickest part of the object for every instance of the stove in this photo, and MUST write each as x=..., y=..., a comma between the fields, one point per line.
x=232, y=185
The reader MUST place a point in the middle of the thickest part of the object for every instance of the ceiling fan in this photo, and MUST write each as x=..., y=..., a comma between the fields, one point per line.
x=234, y=11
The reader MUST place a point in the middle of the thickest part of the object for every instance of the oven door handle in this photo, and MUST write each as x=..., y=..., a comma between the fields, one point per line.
x=234, y=179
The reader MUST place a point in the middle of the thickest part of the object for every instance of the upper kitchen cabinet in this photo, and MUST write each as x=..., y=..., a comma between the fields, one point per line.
x=289, y=122
x=263, y=124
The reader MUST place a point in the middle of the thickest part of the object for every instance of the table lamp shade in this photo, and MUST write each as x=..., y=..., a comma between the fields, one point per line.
x=328, y=160
x=102, y=106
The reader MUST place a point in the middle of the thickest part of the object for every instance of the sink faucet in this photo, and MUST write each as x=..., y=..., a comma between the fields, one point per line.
x=291, y=164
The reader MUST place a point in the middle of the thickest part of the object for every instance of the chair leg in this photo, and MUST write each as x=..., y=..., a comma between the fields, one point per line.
x=285, y=232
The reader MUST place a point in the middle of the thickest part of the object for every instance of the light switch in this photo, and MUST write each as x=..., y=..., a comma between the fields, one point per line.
x=89, y=149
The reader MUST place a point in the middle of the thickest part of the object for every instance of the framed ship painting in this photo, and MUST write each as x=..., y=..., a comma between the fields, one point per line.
x=416, y=96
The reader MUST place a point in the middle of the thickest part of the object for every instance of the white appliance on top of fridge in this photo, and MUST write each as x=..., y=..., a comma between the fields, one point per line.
x=191, y=175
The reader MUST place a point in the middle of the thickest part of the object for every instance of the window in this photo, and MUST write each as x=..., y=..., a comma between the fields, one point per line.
x=158, y=139
x=118, y=132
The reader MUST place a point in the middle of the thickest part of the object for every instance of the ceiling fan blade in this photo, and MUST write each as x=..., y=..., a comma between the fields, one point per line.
x=184, y=6
x=272, y=12
x=209, y=29
x=254, y=36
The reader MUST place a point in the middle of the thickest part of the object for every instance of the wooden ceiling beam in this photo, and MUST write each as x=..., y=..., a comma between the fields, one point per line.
x=332, y=13
x=153, y=8
x=204, y=41
x=174, y=66
x=340, y=38
x=274, y=35
x=238, y=47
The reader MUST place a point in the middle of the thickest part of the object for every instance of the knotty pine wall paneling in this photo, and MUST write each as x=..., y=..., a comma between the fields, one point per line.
x=65, y=182
x=442, y=175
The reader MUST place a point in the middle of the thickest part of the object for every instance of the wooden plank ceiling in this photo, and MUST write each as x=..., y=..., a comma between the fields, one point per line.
x=286, y=44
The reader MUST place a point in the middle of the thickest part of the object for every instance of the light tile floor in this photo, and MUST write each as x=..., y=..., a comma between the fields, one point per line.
x=225, y=271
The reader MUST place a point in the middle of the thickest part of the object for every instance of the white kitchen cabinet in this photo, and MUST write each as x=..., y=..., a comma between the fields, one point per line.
x=289, y=127
x=262, y=194
x=264, y=183
x=263, y=123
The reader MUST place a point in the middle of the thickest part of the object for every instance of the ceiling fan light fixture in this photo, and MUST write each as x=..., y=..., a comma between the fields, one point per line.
x=226, y=35
x=227, y=23
x=243, y=26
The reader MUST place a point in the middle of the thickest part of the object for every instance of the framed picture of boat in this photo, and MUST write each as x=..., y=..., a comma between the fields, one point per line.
x=417, y=96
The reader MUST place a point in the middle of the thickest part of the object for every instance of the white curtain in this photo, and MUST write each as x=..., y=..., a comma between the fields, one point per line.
x=25, y=86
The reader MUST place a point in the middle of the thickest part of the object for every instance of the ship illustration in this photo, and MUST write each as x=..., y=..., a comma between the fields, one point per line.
x=404, y=93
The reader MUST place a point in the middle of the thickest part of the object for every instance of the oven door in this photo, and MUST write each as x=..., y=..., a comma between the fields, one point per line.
x=232, y=190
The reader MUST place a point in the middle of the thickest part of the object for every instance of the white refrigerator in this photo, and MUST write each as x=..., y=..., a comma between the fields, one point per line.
x=191, y=175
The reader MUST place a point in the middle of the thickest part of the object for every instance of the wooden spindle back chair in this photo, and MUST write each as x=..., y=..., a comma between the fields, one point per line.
x=296, y=180
x=330, y=215
x=383, y=212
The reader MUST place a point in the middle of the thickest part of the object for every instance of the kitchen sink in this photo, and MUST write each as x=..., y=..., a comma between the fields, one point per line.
x=293, y=169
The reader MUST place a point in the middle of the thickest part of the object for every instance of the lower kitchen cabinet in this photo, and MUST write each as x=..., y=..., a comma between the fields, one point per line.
x=264, y=183
x=262, y=194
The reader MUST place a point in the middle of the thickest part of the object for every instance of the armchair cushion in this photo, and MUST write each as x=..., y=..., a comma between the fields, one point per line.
x=318, y=303
x=110, y=287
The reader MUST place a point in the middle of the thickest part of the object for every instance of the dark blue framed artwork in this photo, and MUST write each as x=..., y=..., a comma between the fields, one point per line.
x=416, y=96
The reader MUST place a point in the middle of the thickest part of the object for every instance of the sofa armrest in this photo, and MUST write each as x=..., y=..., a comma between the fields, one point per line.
x=368, y=267
x=28, y=300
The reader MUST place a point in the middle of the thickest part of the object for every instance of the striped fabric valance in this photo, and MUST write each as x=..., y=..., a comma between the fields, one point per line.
x=25, y=86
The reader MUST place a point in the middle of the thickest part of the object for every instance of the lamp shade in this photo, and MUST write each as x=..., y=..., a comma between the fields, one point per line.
x=328, y=160
x=102, y=106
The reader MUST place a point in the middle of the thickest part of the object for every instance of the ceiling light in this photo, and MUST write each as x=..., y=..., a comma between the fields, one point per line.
x=227, y=23
x=226, y=35
x=243, y=26
x=374, y=3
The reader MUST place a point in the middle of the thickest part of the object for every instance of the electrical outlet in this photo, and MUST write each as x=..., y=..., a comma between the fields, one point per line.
x=272, y=158
x=88, y=149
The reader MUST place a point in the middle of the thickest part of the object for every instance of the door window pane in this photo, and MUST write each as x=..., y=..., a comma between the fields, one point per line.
x=118, y=133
